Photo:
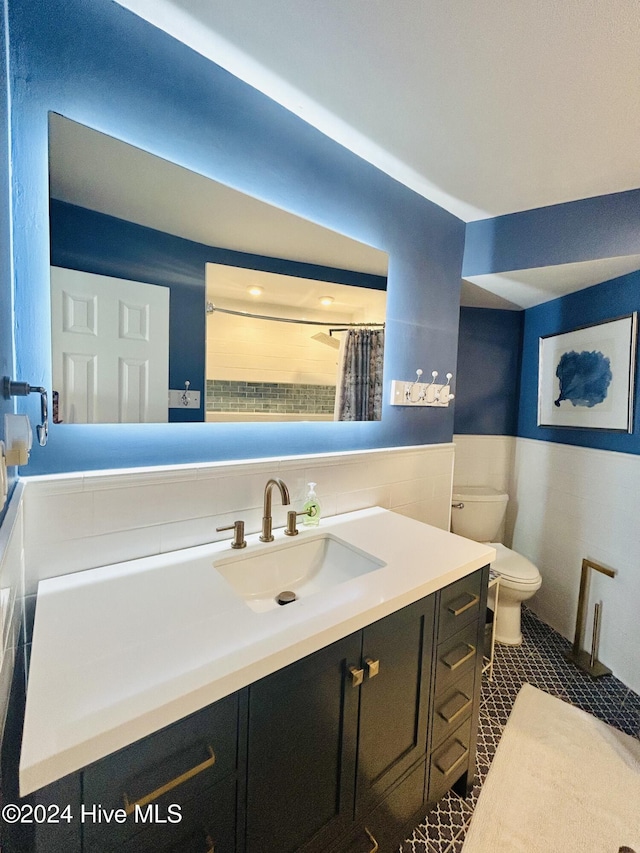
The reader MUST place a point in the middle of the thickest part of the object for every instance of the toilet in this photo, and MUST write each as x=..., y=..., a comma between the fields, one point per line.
x=477, y=513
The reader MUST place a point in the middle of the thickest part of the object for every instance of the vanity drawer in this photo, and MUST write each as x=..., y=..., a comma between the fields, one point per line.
x=208, y=825
x=456, y=657
x=169, y=767
x=449, y=761
x=459, y=605
x=452, y=707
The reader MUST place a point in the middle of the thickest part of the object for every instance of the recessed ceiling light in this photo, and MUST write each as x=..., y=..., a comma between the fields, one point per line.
x=254, y=290
x=326, y=300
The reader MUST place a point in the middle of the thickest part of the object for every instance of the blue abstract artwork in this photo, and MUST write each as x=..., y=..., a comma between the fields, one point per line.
x=584, y=378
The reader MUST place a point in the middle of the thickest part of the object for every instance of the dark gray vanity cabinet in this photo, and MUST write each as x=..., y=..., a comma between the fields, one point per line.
x=330, y=734
x=301, y=752
x=338, y=752
x=457, y=678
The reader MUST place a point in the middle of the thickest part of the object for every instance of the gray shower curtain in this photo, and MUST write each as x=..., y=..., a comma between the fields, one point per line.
x=359, y=391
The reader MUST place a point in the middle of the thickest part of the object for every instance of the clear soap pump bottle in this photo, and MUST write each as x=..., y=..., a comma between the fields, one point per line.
x=311, y=507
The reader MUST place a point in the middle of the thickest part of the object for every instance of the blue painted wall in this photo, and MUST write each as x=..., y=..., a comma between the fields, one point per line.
x=6, y=306
x=600, y=302
x=600, y=227
x=98, y=64
x=488, y=375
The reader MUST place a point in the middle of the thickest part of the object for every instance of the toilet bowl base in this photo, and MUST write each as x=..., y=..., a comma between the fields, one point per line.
x=507, y=618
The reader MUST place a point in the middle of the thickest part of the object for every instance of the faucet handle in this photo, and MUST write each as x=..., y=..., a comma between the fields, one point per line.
x=238, y=534
x=292, y=515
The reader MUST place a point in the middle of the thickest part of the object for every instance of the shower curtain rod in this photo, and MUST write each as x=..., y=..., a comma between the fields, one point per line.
x=211, y=308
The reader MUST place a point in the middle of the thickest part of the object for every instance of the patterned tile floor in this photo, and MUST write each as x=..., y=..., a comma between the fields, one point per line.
x=539, y=661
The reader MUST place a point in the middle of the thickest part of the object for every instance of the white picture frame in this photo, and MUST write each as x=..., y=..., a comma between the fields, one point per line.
x=586, y=376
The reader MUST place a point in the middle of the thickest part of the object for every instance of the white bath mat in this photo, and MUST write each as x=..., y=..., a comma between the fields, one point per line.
x=561, y=782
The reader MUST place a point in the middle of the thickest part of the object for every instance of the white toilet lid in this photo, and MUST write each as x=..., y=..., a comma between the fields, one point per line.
x=513, y=566
x=480, y=494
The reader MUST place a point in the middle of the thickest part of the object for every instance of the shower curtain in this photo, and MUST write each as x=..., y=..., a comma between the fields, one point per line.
x=359, y=388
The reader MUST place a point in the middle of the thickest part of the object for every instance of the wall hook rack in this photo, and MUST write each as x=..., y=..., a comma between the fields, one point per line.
x=418, y=393
x=10, y=388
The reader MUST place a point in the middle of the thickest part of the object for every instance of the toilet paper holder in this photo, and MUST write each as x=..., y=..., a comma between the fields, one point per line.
x=23, y=389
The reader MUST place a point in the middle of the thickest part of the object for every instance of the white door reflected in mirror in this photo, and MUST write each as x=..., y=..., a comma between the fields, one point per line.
x=110, y=341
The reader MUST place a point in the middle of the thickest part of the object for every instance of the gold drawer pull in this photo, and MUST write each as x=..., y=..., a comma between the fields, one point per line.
x=457, y=761
x=211, y=847
x=451, y=710
x=456, y=608
x=373, y=667
x=357, y=676
x=129, y=807
x=376, y=846
x=468, y=651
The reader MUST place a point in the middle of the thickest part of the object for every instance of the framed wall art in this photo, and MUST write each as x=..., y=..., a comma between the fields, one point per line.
x=586, y=377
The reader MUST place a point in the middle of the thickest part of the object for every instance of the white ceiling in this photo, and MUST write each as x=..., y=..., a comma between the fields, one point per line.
x=485, y=107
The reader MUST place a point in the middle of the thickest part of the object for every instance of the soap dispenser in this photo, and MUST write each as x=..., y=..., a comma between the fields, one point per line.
x=311, y=507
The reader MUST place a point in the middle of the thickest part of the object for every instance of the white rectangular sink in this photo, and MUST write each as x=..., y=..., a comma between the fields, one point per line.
x=302, y=567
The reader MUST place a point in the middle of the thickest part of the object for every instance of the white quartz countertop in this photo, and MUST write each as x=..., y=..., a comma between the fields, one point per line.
x=124, y=650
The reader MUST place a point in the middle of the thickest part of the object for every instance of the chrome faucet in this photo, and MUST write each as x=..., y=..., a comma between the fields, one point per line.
x=267, y=520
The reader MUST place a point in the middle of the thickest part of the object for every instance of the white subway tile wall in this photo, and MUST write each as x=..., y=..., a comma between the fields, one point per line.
x=11, y=593
x=486, y=460
x=567, y=503
x=575, y=502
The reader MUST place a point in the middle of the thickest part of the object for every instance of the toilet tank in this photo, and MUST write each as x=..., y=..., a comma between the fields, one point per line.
x=481, y=514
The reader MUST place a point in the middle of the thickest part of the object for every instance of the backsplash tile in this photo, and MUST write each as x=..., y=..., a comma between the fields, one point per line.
x=282, y=397
x=105, y=517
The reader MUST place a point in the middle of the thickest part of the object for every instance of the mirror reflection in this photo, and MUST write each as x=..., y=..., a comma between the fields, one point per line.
x=288, y=349
x=152, y=267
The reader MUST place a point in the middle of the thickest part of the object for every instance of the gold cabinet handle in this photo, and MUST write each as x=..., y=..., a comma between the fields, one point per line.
x=211, y=847
x=456, y=762
x=357, y=676
x=453, y=662
x=129, y=806
x=451, y=709
x=456, y=608
x=376, y=846
x=373, y=667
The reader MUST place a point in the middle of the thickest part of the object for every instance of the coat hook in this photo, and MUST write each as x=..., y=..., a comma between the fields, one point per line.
x=409, y=390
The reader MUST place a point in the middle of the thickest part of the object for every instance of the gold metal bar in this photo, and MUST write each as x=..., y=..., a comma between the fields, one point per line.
x=595, y=637
x=457, y=610
x=577, y=655
x=376, y=846
x=582, y=599
x=129, y=807
x=471, y=650
x=457, y=761
x=451, y=710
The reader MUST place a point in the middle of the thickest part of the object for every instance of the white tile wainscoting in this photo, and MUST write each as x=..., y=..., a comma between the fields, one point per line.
x=486, y=460
x=567, y=503
x=11, y=594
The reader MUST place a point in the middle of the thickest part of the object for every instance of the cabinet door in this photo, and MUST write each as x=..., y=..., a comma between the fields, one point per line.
x=301, y=752
x=394, y=704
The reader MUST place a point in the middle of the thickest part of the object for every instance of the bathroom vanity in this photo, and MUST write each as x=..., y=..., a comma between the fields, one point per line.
x=192, y=720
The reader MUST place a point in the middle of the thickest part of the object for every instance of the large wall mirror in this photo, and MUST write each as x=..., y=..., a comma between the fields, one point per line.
x=164, y=280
